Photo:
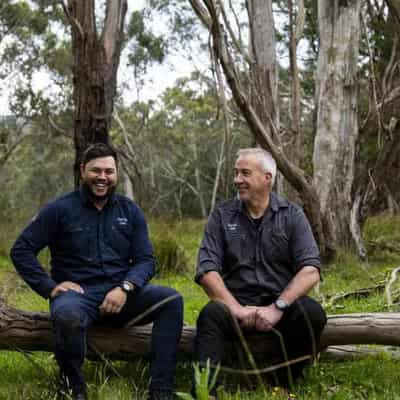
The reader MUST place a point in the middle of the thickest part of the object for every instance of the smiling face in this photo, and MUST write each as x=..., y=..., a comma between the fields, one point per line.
x=252, y=183
x=100, y=176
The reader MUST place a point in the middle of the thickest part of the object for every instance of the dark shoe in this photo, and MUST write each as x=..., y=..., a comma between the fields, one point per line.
x=66, y=391
x=161, y=395
x=79, y=396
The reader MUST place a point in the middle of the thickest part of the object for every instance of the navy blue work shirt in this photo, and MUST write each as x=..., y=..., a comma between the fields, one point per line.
x=257, y=261
x=86, y=245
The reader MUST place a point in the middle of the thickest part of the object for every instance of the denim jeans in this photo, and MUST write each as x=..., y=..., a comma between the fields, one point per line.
x=301, y=327
x=72, y=313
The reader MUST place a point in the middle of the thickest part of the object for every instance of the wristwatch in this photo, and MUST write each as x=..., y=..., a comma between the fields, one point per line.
x=127, y=287
x=281, y=304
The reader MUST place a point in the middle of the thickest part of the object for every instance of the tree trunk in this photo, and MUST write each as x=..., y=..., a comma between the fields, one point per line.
x=26, y=331
x=296, y=25
x=224, y=149
x=263, y=71
x=95, y=64
x=337, y=112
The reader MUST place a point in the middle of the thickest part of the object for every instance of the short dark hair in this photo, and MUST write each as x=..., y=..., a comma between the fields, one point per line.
x=97, y=150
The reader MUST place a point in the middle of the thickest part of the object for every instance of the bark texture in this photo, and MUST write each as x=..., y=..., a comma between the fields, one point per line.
x=264, y=82
x=296, y=27
x=95, y=65
x=28, y=331
x=337, y=112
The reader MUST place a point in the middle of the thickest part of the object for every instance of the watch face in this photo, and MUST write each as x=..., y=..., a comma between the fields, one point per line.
x=281, y=304
x=126, y=287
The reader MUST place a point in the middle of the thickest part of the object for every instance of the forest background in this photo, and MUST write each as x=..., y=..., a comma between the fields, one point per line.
x=314, y=82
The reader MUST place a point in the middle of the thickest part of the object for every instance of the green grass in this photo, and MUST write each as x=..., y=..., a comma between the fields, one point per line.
x=34, y=376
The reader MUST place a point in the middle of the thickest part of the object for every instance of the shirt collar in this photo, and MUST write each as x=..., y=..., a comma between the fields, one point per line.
x=275, y=203
x=86, y=200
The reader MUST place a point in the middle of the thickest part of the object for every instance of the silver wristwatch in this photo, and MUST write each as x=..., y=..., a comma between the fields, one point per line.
x=127, y=287
x=281, y=304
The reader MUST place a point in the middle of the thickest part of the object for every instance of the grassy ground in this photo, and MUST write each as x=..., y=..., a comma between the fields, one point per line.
x=34, y=376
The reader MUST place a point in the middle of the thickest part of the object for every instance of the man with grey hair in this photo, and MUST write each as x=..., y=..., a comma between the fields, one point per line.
x=257, y=262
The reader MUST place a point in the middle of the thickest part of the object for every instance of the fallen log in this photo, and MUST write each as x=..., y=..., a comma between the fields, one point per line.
x=30, y=331
x=350, y=352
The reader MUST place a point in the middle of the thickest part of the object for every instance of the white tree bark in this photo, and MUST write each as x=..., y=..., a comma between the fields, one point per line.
x=337, y=108
x=264, y=90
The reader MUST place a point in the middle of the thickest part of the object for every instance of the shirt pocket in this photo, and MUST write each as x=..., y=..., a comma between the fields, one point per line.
x=121, y=239
x=76, y=240
x=233, y=247
x=280, y=246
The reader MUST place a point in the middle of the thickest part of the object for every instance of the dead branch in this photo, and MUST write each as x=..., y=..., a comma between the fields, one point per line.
x=364, y=292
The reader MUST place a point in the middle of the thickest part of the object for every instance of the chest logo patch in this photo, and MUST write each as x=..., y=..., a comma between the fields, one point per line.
x=232, y=227
x=122, y=221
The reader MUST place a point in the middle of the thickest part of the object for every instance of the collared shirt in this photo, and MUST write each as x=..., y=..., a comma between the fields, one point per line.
x=86, y=245
x=257, y=261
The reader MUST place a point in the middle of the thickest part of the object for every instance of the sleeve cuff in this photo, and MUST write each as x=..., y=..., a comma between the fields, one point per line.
x=46, y=288
x=139, y=283
x=203, y=270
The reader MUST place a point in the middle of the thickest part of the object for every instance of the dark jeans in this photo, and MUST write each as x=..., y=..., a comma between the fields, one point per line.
x=301, y=327
x=72, y=313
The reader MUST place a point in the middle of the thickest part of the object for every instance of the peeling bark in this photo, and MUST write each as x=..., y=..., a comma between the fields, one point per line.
x=263, y=71
x=337, y=112
x=296, y=26
x=95, y=64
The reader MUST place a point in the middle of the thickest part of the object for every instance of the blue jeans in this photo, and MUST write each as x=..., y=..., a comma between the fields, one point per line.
x=72, y=313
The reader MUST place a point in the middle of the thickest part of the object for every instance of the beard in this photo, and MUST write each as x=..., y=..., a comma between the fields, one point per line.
x=96, y=198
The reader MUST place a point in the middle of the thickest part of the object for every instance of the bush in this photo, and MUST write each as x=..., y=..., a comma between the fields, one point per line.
x=382, y=234
x=175, y=244
x=170, y=256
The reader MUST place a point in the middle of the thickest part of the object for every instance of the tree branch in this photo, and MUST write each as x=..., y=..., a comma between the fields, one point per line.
x=73, y=21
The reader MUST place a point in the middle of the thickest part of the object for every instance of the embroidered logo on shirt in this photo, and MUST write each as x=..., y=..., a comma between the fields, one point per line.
x=232, y=227
x=122, y=221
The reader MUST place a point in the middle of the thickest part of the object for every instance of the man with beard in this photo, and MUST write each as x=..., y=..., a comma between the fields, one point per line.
x=101, y=263
x=257, y=261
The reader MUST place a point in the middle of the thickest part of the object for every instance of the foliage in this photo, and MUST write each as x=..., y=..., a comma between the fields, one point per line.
x=146, y=46
x=170, y=256
x=177, y=147
x=205, y=379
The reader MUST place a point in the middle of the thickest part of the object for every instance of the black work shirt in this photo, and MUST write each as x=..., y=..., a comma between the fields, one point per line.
x=86, y=245
x=257, y=261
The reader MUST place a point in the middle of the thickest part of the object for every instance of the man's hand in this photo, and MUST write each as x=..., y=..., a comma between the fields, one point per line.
x=114, y=301
x=246, y=316
x=267, y=317
x=64, y=287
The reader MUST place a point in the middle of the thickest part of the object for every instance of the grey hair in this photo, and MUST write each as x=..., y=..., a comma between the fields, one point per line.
x=267, y=162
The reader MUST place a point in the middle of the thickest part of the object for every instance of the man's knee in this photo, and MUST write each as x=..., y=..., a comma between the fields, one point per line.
x=311, y=315
x=67, y=318
x=171, y=299
x=214, y=313
x=67, y=313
